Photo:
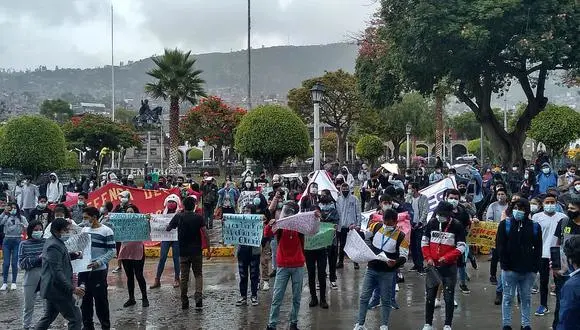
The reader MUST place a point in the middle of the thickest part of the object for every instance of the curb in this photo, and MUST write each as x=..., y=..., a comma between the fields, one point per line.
x=216, y=251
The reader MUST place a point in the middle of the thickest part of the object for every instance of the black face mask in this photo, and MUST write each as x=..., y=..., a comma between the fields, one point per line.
x=573, y=214
x=345, y=193
x=462, y=190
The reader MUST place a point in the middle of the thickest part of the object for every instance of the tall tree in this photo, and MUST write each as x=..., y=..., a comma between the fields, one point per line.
x=177, y=80
x=481, y=47
x=58, y=110
x=340, y=108
x=556, y=127
x=214, y=122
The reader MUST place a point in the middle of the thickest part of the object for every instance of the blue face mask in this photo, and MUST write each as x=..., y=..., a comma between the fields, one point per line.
x=518, y=215
x=256, y=201
x=550, y=208
x=325, y=207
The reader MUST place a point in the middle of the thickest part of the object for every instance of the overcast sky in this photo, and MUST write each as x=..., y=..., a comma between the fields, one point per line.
x=76, y=33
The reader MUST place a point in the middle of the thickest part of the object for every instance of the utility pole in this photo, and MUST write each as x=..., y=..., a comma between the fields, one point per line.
x=249, y=59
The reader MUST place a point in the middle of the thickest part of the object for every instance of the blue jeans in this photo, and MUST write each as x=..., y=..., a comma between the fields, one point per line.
x=10, y=255
x=283, y=275
x=165, y=245
x=523, y=282
x=382, y=280
x=376, y=297
x=274, y=246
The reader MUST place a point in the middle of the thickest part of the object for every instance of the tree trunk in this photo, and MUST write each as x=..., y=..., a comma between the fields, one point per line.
x=341, y=147
x=396, y=151
x=174, y=137
x=439, y=124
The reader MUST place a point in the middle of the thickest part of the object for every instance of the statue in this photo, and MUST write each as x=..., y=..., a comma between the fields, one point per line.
x=148, y=116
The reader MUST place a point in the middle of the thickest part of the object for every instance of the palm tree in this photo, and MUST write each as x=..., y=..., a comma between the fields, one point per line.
x=177, y=80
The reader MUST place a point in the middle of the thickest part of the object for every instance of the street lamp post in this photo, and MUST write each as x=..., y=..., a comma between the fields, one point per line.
x=408, y=131
x=317, y=92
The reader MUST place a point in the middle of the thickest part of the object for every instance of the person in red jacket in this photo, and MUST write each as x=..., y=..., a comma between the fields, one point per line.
x=442, y=245
x=290, y=266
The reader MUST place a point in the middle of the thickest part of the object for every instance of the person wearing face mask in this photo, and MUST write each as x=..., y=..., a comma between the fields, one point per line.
x=54, y=189
x=572, y=194
x=275, y=208
x=384, y=238
x=442, y=245
x=546, y=179
x=349, y=214
x=209, y=198
x=248, y=266
x=14, y=222
x=370, y=193
x=535, y=206
x=528, y=185
x=28, y=197
x=496, y=209
x=328, y=213
x=42, y=212
x=569, y=317
x=309, y=201
x=248, y=184
x=519, y=246
x=95, y=280
x=131, y=181
x=57, y=285
x=72, y=185
x=77, y=210
x=548, y=221
x=172, y=205
x=420, y=205
x=61, y=212
x=514, y=179
x=422, y=178
x=436, y=176
x=348, y=177
x=261, y=181
x=30, y=260
x=228, y=198
x=124, y=199
x=566, y=180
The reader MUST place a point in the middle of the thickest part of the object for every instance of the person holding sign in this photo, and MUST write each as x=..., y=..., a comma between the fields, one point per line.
x=132, y=255
x=171, y=206
x=248, y=258
x=190, y=226
x=95, y=281
x=349, y=212
x=385, y=238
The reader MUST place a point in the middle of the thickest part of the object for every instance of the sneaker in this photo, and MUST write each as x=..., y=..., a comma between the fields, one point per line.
x=447, y=327
x=473, y=262
x=117, y=270
x=293, y=326
x=359, y=327
x=437, y=303
x=464, y=288
x=396, y=288
x=535, y=291
x=507, y=327
x=145, y=302
x=394, y=305
x=455, y=304
x=421, y=272
x=542, y=310
x=498, y=298
x=553, y=293
x=414, y=269
x=427, y=327
x=185, y=304
x=273, y=274
x=266, y=286
x=374, y=303
x=527, y=327
x=4, y=287
x=313, y=302
x=384, y=327
x=199, y=304
x=129, y=303
x=242, y=302
x=254, y=301
x=333, y=286
x=317, y=286
x=13, y=286
x=493, y=280
x=323, y=304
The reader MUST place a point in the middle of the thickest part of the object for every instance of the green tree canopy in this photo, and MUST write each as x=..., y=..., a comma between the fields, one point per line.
x=271, y=133
x=32, y=144
x=328, y=143
x=369, y=148
x=340, y=108
x=194, y=154
x=482, y=47
x=71, y=161
x=58, y=110
x=474, y=147
x=91, y=133
x=556, y=127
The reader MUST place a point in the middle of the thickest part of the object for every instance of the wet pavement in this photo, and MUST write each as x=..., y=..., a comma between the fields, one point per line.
x=475, y=311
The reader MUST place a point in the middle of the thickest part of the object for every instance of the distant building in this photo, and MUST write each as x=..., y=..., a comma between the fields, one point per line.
x=93, y=108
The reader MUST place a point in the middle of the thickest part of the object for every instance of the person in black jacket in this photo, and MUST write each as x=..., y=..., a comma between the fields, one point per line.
x=519, y=246
x=57, y=285
x=309, y=202
x=385, y=238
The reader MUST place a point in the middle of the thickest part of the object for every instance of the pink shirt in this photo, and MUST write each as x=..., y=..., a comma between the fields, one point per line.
x=131, y=251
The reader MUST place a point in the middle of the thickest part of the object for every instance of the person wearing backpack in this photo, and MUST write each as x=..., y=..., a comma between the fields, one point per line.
x=519, y=246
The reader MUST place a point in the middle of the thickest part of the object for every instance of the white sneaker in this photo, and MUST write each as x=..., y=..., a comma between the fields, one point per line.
x=447, y=327
x=13, y=286
x=266, y=286
x=437, y=302
x=359, y=327
x=384, y=327
x=455, y=304
x=4, y=287
x=427, y=327
x=396, y=289
x=333, y=286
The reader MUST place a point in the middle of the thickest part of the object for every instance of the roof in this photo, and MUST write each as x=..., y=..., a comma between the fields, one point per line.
x=92, y=105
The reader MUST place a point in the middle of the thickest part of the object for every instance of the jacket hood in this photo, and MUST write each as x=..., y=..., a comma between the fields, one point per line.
x=54, y=174
x=546, y=164
x=172, y=198
x=344, y=168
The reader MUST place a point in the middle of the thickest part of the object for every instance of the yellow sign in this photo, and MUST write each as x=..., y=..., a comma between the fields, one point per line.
x=483, y=234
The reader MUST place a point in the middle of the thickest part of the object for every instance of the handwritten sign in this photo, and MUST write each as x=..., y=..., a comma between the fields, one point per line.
x=158, y=224
x=358, y=251
x=483, y=234
x=243, y=229
x=80, y=242
x=305, y=223
x=129, y=227
x=322, y=239
x=246, y=197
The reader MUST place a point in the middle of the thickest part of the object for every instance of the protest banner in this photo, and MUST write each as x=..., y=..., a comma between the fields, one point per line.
x=80, y=243
x=243, y=229
x=483, y=234
x=158, y=224
x=129, y=227
x=358, y=251
x=305, y=223
x=322, y=239
x=246, y=197
x=366, y=217
x=435, y=192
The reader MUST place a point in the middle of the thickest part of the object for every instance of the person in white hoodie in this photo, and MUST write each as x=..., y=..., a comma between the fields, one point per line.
x=172, y=205
x=348, y=178
x=54, y=189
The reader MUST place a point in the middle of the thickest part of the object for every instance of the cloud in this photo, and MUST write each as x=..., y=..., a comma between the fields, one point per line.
x=76, y=33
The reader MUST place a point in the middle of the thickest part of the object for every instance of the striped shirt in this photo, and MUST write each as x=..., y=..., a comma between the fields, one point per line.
x=102, y=245
x=29, y=253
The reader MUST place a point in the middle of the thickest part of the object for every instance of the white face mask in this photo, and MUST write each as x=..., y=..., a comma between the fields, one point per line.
x=546, y=170
x=248, y=184
x=410, y=191
x=534, y=208
x=395, y=205
x=124, y=200
x=526, y=176
x=441, y=218
x=515, y=169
